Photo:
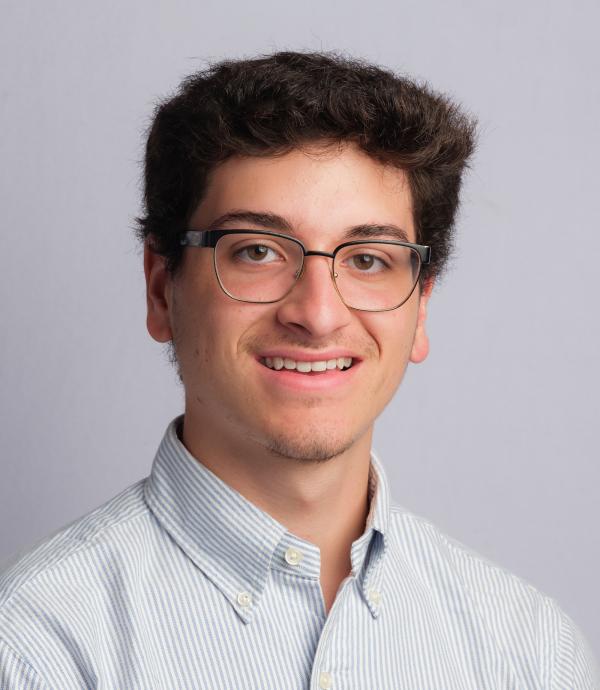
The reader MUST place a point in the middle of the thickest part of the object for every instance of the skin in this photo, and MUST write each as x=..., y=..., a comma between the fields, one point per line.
x=300, y=455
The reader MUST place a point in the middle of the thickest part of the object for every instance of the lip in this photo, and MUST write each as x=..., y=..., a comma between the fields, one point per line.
x=326, y=382
x=299, y=356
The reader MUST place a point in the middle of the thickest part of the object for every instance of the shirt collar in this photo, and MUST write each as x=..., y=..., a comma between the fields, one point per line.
x=235, y=543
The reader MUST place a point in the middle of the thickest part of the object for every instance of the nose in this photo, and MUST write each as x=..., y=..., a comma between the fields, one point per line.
x=314, y=307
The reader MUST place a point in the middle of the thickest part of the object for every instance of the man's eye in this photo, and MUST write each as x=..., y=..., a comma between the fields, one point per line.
x=258, y=253
x=367, y=262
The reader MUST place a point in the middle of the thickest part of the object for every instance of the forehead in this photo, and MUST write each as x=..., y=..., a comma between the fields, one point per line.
x=320, y=191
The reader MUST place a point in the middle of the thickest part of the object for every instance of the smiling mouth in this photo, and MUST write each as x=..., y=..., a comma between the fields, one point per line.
x=303, y=367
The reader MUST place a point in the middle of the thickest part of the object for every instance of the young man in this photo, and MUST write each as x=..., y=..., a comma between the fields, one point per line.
x=298, y=210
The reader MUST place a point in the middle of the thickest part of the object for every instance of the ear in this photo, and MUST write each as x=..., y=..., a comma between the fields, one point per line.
x=158, y=295
x=420, y=346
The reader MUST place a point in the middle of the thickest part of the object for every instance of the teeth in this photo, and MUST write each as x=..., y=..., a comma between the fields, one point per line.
x=306, y=367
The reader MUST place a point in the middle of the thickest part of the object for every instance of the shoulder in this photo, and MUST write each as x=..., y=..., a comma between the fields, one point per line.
x=77, y=545
x=55, y=595
x=517, y=617
x=432, y=552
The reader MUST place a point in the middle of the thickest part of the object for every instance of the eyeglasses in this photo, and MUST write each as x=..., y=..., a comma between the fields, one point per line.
x=263, y=267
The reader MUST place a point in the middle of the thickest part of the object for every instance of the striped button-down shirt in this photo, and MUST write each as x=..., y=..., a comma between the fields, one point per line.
x=180, y=582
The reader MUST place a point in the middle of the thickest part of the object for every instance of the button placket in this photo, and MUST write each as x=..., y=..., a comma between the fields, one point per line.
x=324, y=662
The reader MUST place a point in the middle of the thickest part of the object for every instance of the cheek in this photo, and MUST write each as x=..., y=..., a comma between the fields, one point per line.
x=393, y=332
x=217, y=328
x=395, y=361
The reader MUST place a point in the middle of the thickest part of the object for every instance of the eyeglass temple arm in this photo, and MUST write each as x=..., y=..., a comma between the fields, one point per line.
x=199, y=238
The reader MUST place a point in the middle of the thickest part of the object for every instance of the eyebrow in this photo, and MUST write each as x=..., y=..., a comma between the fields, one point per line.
x=275, y=222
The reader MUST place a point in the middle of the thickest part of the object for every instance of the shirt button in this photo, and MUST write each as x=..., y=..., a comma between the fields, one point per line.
x=325, y=681
x=244, y=599
x=374, y=596
x=293, y=556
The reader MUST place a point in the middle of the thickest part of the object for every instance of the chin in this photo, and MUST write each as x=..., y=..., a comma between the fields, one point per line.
x=309, y=446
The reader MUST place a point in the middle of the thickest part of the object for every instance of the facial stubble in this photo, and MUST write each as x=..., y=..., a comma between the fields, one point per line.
x=307, y=448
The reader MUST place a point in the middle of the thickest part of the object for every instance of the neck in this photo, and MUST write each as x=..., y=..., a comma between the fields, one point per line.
x=324, y=502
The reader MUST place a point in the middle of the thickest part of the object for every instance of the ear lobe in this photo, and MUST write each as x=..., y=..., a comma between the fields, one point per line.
x=158, y=295
x=420, y=346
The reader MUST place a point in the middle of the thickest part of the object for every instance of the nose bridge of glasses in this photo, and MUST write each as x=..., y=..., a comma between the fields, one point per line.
x=319, y=253
x=327, y=255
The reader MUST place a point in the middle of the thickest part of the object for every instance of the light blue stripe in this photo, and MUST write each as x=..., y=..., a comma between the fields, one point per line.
x=143, y=593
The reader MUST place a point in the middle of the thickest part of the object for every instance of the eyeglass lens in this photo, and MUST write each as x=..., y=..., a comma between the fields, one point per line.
x=262, y=268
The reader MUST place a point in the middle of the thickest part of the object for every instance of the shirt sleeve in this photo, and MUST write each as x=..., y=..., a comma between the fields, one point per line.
x=567, y=660
x=16, y=673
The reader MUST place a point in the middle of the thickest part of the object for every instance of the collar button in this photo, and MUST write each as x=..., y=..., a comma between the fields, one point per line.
x=375, y=596
x=293, y=556
x=244, y=599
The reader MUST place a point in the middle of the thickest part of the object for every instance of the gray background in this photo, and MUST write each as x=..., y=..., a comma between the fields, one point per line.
x=493, y=438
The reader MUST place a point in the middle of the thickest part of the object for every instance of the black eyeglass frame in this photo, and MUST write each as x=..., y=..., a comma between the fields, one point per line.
x=210, y=238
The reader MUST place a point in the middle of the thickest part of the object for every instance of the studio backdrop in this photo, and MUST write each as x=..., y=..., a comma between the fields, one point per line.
x=493, y=438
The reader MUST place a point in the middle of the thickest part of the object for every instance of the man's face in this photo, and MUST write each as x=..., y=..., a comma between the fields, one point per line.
x=221, y=344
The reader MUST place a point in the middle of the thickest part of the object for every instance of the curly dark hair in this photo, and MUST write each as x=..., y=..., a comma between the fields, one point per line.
x=273, y=104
